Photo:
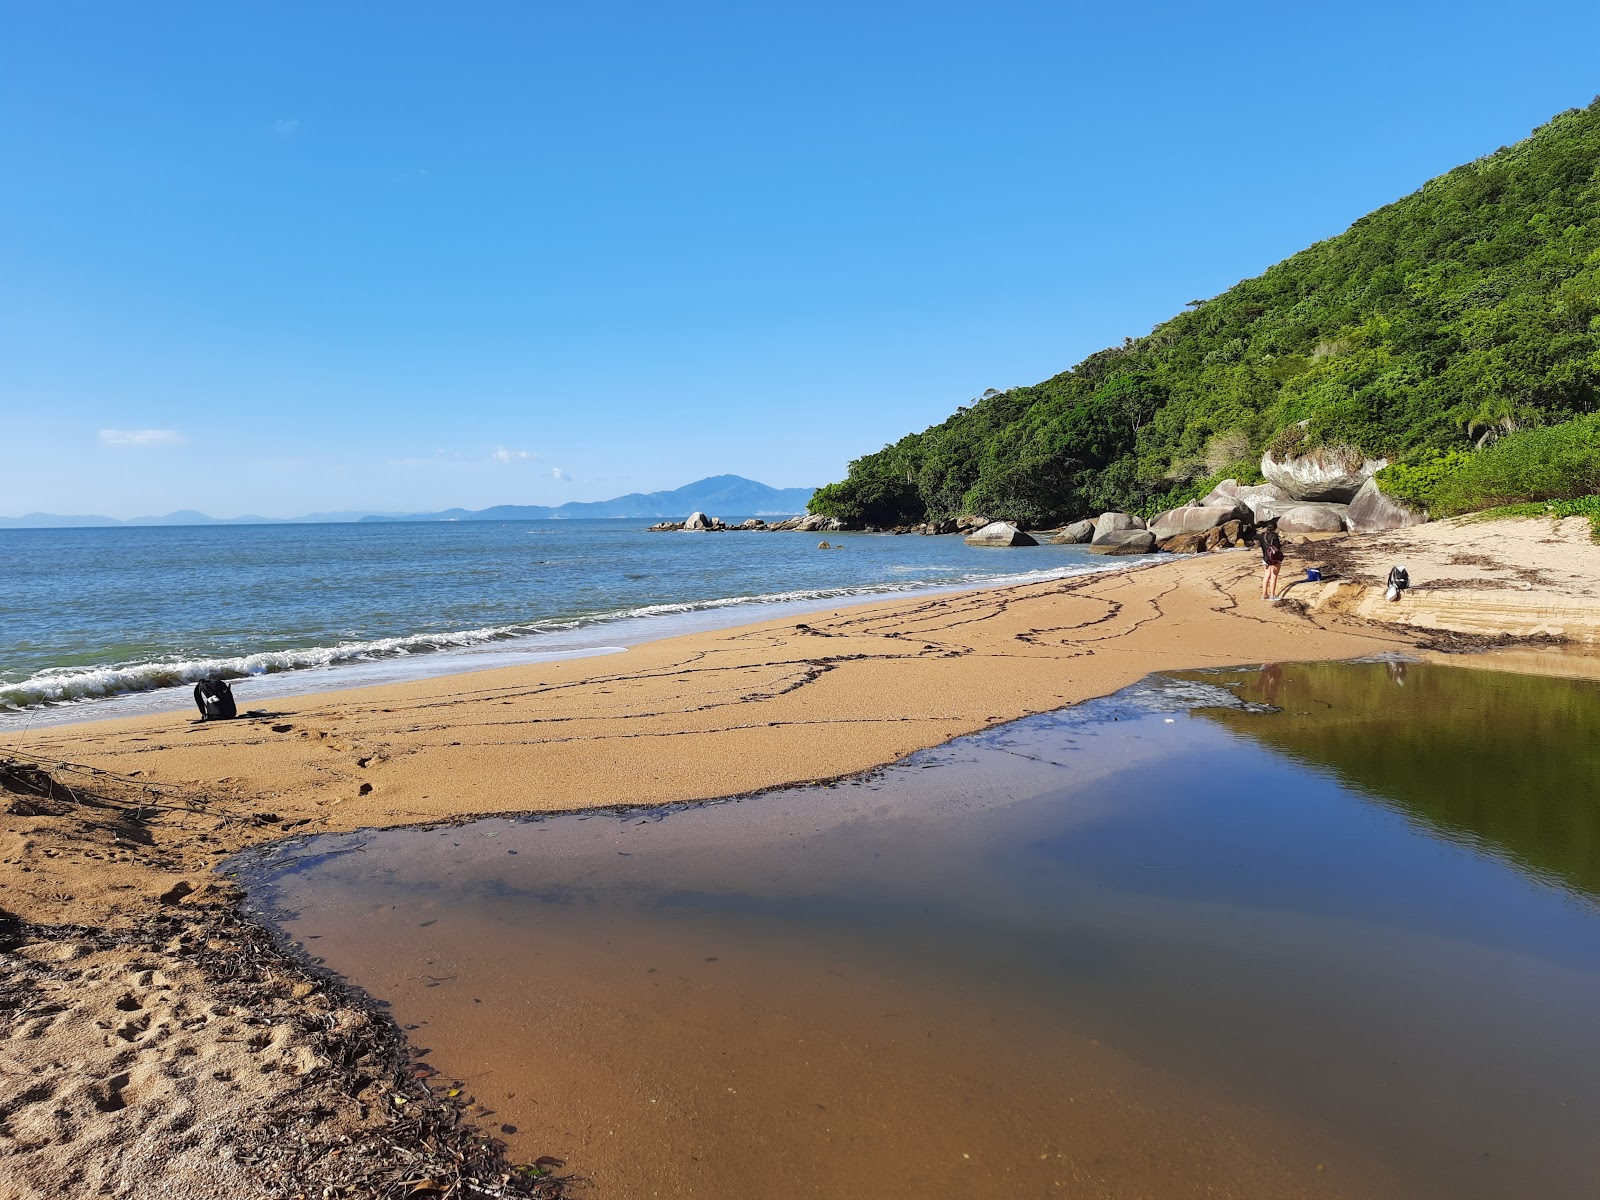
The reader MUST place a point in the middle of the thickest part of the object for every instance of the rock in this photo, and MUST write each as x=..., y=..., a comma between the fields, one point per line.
x=1000, y=533
x=1239, y=533
x=1225, y=495
x=1192, y=520
x=698, y=520
x=968, y=521
x=1184, y=543
x=943, y=525
x=1123, y=541
x=1107, y=524
x=752, y=523
x=1074, y=534
x=1373, y=512
x=666, y=527
x=824, y=546
x=1324, y=474
x=813, y=523
x=1310, y=518
x=786, y=525
x=1216, y=539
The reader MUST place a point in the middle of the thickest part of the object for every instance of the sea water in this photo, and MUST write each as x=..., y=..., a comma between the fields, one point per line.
x=103, y=622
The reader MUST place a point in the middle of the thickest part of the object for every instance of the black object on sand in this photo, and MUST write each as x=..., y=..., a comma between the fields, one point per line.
x=214, y=699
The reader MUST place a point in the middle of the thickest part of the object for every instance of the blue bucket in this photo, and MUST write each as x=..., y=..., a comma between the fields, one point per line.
x=1313, y=575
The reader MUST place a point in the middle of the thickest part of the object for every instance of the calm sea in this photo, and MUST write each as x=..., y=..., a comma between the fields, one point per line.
x=104, y=622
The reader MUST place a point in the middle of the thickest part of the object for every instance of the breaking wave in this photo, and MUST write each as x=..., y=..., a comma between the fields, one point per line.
x=72, y=685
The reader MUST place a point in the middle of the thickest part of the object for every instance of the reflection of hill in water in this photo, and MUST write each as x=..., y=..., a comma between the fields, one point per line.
x=1510, y=763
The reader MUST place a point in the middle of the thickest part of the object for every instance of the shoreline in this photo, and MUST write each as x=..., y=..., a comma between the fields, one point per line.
x=155, y=803
x=608, y=632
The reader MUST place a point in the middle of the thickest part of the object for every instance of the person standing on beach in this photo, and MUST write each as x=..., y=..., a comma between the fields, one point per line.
x=1271, y=556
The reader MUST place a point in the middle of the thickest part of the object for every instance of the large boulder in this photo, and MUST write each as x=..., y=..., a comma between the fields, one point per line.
x=1000, y=533
x=967, y=522
x=1077, y=532
x=1123, y=541
x=1309, y=518
x=698, y=520
x=1225, y=495
x=1113, y=522
x=1192, y=519
x=1373, y=512
x=1326, y=474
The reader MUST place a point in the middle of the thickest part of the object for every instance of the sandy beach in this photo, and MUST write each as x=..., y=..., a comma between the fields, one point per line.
x=157, y=1045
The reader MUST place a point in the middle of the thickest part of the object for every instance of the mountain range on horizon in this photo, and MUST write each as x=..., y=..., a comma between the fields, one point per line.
x=716, y=494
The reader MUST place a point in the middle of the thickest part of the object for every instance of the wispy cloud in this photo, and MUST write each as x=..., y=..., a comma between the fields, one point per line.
x=502, y=455
x=284, y=128
x=141, y=437
x=558, y=473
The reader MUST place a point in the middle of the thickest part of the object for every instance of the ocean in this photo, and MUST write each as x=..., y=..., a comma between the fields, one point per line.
x=113, y=622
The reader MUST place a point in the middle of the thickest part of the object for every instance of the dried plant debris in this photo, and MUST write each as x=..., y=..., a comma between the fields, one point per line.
x=171, y=1046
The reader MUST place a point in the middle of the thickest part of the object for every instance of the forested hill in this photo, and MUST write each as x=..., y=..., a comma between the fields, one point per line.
x=1466, y=310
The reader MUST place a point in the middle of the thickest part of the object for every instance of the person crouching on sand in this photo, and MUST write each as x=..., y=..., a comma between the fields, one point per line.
x=1271, y=556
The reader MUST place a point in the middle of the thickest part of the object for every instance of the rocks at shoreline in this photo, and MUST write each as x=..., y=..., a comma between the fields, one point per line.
x=1192, y=519
x=1075, y=534
x=1123, y=541
x=1000, y=533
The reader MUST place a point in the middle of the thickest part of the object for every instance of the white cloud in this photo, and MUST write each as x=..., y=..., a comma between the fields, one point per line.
x=141, y=437
x=285, y=128
x=502, y=455
x=558, y=473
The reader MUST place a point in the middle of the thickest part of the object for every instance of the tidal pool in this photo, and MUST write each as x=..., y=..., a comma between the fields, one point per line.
x=1301, y=930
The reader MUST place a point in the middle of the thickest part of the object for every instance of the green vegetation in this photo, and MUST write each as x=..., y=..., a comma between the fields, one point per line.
x=1522, y=473
x=1433, y=331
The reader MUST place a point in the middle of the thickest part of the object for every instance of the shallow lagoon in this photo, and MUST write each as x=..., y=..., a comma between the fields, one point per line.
x=1323, y=930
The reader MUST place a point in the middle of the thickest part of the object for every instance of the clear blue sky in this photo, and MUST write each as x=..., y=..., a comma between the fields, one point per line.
x=294, y=256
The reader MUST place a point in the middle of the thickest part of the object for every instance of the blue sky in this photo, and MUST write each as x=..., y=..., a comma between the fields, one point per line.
x=287, y=257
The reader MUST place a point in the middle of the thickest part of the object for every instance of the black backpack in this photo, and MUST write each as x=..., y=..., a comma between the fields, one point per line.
x=214, y=699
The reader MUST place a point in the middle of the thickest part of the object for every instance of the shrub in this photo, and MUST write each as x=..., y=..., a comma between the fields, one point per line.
x=1558, y=462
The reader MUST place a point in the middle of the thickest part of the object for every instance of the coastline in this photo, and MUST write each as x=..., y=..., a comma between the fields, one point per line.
x=154, y=803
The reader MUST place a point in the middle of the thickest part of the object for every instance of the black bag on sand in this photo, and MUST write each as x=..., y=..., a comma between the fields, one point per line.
x=214, y=699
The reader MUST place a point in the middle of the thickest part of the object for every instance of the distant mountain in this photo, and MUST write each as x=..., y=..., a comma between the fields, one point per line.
x=720, y=495
x=185, y=516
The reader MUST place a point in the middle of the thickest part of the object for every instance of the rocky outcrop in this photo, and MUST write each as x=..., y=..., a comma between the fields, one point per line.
x=1373, y=512
x=1123, y=541
x=967, y=522
x=1184, y=543
x=1326, y=474
x=752, y=523
x=1243, y=498
x=1193, y=519
x=1000, y=533
x=1109, y=523
x=1074, y=534
x=1308, y=518
x=698, y=520
x=943, y=525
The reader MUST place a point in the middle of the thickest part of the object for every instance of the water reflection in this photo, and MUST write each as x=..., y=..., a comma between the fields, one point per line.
x=1507, y=763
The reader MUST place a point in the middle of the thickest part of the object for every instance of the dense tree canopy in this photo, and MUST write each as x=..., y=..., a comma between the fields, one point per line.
x=1464, y=311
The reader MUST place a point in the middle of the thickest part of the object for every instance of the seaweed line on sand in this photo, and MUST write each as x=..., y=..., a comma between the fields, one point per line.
x=342, y=1106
